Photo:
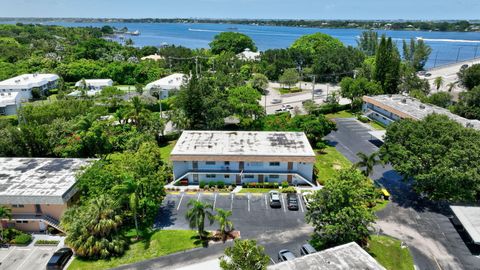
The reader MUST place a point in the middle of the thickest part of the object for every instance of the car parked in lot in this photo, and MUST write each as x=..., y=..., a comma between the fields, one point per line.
x=287, y=107
x=292, y=201
x=307, y=198
x=285, y=255
x=464, y=66
x=59, y=259
x=307, y=249
x=276, y=100
x=428, y=74
x=274, y=198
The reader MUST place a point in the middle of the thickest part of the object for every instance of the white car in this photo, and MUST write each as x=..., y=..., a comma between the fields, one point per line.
x=276, y=100
x=287, y=107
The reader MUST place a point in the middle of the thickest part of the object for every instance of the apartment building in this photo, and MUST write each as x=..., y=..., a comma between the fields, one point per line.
x=237, y=157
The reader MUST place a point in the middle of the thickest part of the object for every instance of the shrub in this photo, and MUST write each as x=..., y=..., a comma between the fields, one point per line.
x=363, y=119
x=289, y=190
x=285, y=184
x=212, y=184
x=202, y=184
x=47, y=242
x=220, y=184
x=275, y=185
x=206, y=187
x=22, y=239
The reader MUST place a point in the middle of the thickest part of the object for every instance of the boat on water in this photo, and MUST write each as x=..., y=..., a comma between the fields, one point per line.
x=135, y=33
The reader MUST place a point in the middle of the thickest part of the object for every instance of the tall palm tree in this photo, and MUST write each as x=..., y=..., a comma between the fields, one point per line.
x=438, y=82
x=130, y=188
x=367, y=162
x=4, y=213
x=451, y=86
x=196, y=215
x=226, y=225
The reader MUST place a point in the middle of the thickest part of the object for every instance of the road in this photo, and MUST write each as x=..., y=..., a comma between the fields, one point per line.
x=296, y=99
x=449, y=75
x=425, y=227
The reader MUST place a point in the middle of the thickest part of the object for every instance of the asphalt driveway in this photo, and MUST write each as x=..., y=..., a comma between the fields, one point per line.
x=424, y=226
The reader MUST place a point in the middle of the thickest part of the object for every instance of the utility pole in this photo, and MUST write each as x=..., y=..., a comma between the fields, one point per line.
x=476, y=49
x=436, y=57
x=196, y=65
x=313, y=88
x=265, y=101
x=458, y=53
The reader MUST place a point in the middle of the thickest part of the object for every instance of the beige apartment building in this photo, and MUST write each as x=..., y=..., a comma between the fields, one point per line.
x=38, y=190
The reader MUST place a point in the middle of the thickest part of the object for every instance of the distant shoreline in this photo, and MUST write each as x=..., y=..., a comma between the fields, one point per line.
x=409, y=25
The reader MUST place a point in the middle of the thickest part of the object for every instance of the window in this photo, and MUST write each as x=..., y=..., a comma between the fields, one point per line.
x=210, y=163
x=227, y=163
x=248, y=176
x=211, y=175
x=226, y=176
x=274, y=176
x=21, y=221
x=276, y=164
x=18, y=205
x=256, y=164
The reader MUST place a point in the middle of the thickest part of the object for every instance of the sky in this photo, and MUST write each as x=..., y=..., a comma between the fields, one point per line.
x=252, y=9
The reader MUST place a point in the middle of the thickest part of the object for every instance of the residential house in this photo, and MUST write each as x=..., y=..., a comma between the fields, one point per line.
x=165, y=86
x=38, y=190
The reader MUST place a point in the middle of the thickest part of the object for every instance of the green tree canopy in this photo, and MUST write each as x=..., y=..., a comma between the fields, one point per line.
x=289, y=77
x=470, y=77
x=439, y=155
x=244, y=255
x=387, y=68
x=339, y=212
x=368, y=42
x=231, y=42
x=469, y=104
x=416, y=53
x=317, y=43
x=244, y=103
x=354, y=89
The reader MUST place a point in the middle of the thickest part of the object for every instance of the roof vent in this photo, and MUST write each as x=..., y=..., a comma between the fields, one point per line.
x=422, y=106
x=469, y=125
x=404, y=100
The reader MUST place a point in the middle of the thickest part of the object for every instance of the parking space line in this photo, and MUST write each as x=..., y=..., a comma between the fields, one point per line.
x=300, y=202
x=26, y=259
x=8, y=254
x=283, y=203
x=215, y=200
x=231, y=202
x=180, y=202
x=266, y=207
x=198, y=197
x=248, y=200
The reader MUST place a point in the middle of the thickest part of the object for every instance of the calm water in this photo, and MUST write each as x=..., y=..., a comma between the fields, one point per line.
x=446, y=46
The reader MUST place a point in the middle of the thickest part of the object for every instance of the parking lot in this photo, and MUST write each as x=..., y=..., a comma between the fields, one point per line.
x=251, y=212
x=25, y=258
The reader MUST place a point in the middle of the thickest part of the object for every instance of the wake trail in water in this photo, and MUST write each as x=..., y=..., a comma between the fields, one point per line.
x=448, y=40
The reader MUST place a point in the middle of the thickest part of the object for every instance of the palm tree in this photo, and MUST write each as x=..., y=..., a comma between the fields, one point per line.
x=130, y=188
x=196, y=215
x=367, y=162
x=438, y=82
x=226, y=225
x=4, y=213
x=451, y=86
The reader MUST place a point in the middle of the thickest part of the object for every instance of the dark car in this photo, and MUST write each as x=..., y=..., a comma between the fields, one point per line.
x=59, y=258
x=274, y=198
x=307, y=249
x=464, y=66
x=292, y=201
x=285, y=255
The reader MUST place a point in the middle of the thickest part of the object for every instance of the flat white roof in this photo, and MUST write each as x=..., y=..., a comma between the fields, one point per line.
x=418, y=110
x=469, y=216
x=38, y=180
x=96, y=82
x=173, y=81
x=243, y=143
x=27, y=81
x=8, y=98
x=344, y=257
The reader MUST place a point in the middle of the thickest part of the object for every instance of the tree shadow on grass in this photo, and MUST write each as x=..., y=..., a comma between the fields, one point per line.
x=199, y=240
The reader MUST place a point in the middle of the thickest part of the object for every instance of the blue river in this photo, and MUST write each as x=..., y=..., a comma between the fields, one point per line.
x=447, y=47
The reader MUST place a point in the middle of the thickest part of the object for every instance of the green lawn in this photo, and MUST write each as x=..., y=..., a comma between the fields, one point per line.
x=341, y=114
x=387, y=252
x=161, y=243
x=125, y=87
x=329, y=162
x=166, y=149
x=376, y=125
x=380, y=205
x=284, y=91
x=255, y=190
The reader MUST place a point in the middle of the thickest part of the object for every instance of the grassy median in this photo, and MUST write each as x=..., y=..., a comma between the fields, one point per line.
x=159, y=243
x=388, y=252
